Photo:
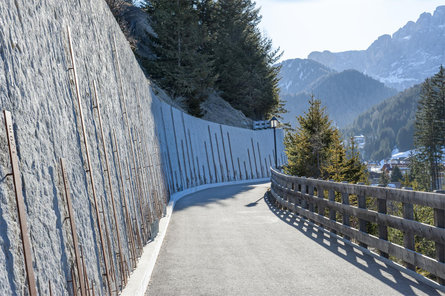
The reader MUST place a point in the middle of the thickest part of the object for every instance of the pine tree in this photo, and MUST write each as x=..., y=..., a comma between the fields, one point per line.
x=396, y=175
x=429, y=136
x=355, y=169
x=308, y=148
x=419, y=178
x=384, y=178
x=244, y=60
x=180, y=64
x=335, y=169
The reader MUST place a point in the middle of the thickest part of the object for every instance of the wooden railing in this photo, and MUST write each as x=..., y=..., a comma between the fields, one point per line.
x=351, y=209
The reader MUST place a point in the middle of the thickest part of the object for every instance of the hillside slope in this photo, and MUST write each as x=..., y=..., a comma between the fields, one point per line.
x=345, y=95
x=297, y=75
x=135, y=24
x=388, y=124
x=404, y=59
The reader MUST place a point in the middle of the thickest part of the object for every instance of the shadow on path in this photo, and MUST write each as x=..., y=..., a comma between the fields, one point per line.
x=203, y=198
x=397, y=279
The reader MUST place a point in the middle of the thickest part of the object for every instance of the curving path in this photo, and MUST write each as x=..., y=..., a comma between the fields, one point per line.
x=231, y=241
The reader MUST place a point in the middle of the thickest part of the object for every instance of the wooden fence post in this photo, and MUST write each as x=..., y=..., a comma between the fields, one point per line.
x=332, y=212
x=383, y=229
x=345, y=201
x=439, y=221
x=363, y=224
x=408, y=236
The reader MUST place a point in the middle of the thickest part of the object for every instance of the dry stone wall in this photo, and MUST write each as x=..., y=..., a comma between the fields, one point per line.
x=152, y=149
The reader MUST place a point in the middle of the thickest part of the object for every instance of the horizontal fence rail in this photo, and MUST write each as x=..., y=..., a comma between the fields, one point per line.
x=365, y=214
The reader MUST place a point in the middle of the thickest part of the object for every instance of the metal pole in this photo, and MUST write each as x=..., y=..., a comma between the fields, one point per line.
x=275, y=145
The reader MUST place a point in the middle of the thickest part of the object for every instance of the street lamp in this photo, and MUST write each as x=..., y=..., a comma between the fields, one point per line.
x=273, y=124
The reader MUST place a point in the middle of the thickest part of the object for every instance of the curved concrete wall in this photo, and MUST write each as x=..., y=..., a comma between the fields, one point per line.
x=166, y=150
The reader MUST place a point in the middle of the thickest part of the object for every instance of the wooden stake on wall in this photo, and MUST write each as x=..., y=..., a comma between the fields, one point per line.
x=21, y=210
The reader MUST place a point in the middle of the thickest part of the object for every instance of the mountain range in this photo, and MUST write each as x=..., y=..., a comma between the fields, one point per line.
x=345, y=94
x=387, y=125
x=404, y=59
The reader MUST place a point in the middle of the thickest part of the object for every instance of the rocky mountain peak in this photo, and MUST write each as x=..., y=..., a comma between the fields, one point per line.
x=406, y=58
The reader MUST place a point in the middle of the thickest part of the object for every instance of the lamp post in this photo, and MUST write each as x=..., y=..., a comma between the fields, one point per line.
x=273, y=124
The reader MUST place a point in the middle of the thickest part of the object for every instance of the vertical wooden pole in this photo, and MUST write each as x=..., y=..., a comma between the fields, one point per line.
x=177, y=148
x=213, y=155
x=110, y=186
x=84, y=269
x=168, y=151
x=125, y=203
x=185, y=167
x=224, y=152
x=245, y=170
x=187, y=150
x=267, y=168
x=204, y=175
x=50, y=288
x=89, y=166
x=138, y=226
x=21, y=210
x=73, y=280
x=208, y=163
x=73, y=228
x=199, y=170
x=219, y=159
x=139, y=191
x=259, y=159
x=250, y=163
x=254, y=159
x=231, y=156
x=192, y=158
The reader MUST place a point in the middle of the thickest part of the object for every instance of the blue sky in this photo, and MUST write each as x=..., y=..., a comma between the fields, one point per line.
x=302, y=26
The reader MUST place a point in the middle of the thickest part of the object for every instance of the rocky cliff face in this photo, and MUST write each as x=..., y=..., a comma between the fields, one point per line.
x=161, y=149
x=410, y=55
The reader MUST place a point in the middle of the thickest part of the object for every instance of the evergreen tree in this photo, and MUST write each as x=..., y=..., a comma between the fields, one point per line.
x=180, y=64
x=244, y=60
x=308, y=149
x=355, y=169
x=429, y=136
x=418, y=176
x=316, y=150
x=335, y=169
x=396, y=175
x=344, y=164
x=384, y=178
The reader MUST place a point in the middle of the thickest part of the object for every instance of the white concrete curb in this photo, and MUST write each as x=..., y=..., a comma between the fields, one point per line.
x=140, y=277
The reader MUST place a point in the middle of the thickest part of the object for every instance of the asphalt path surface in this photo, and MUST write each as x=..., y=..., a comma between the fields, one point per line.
x=232, y=241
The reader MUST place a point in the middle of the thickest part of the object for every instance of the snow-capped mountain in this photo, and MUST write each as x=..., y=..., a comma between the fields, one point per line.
x=410, y=55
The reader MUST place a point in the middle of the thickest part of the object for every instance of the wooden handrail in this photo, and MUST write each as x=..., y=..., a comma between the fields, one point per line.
x=297, y=194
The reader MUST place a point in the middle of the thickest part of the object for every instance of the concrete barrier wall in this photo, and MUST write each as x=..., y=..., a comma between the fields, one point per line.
x=162, y=150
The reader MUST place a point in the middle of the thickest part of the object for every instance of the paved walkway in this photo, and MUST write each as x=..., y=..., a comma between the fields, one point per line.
x=231, y=241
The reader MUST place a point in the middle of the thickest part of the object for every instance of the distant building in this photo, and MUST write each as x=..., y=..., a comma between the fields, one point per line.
x=360, y=141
